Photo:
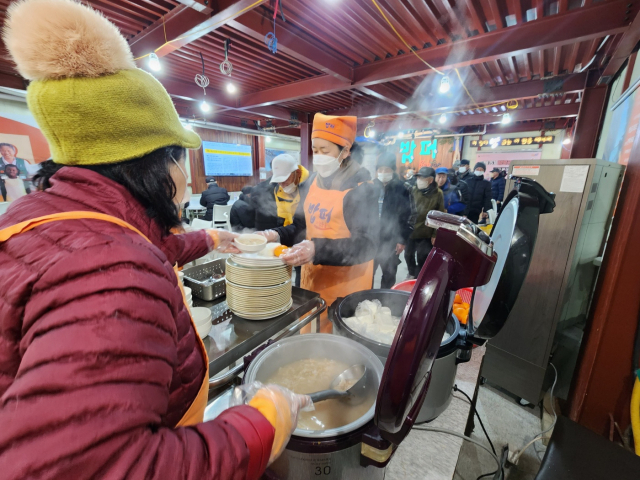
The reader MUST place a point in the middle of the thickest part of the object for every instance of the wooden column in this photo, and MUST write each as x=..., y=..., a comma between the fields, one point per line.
x=605, y=377
x=590, y=118
x=306, y=154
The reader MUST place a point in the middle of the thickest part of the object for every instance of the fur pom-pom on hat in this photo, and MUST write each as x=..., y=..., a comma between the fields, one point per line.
x=54, y=39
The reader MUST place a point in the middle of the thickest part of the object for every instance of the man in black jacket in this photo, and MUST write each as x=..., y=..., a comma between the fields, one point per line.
x=214, y=195
x=243, y=215
x=463, y=172
x=397, y=212
x=479, y=194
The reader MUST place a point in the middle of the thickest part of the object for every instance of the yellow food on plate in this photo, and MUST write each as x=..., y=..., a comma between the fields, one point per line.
x=279, y=250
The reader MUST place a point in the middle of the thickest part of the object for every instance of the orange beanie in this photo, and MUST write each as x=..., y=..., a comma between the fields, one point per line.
x=339, y=130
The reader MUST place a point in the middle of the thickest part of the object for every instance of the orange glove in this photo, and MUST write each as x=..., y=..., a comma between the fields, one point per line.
x=278, y=405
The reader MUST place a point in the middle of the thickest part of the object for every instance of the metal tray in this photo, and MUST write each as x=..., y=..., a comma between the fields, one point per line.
x=199, y=280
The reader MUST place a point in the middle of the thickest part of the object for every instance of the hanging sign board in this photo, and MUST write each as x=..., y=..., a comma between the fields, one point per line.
x=513, y=142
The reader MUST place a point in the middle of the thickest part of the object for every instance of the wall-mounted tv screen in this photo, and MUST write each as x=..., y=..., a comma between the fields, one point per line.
x=227, y=160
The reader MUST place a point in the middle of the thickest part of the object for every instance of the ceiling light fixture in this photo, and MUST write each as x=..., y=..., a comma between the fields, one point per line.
x=506, y=118
x=187, y=126
x=400, y=135
x=445, y=86
x=204, y=106
x=566, y=141
x=231, y=88
x=267, y=139
x=154, y=62
x=443, y=118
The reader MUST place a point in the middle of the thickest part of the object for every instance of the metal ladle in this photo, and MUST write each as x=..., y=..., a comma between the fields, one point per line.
x=355, y=375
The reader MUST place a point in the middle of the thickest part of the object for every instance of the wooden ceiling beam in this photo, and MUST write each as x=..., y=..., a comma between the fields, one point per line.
x=185, y=24
x=626, y=47
x=483, y=96
x=574, y=26
x=256, y=26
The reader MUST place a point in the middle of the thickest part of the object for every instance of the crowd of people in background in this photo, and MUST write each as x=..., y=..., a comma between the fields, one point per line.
x=403, y=204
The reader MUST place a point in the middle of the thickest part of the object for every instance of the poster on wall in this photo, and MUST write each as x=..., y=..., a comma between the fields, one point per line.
x=22, y=149
x=502, y=160
x=624, y=123
x=423, y=152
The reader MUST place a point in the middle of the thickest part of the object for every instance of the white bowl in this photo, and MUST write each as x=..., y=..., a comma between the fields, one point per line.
x=187, y=292
x=203, y=331
x=250, y=237
x=201, y=315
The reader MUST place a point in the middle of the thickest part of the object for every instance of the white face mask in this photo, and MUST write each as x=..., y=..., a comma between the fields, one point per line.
x=422, y=183
x=385, y=177
x=289, y=189
x=462, y=169
x=326, y=165
x=478, y=173
x=187, y=195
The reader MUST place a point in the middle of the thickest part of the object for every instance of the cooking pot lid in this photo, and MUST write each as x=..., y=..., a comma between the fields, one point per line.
x=513, y=236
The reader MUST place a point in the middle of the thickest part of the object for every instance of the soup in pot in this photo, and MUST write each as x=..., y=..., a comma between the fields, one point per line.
x=312, y=375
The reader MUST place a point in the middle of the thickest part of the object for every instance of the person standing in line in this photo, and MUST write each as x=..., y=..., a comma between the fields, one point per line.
x=455, y=196
x=463, y=171
x=479, y=194
x=213, y=195
x=397, y=216
x=498, y=183
x=427, y=196
x=242, y=214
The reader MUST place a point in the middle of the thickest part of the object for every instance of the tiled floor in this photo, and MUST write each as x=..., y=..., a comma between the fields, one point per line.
x=506, y=422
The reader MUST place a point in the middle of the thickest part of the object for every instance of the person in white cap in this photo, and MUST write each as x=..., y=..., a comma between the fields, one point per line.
x=276, y=201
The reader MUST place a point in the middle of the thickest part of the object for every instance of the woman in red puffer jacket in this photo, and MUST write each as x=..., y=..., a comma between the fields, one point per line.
x=102, y=373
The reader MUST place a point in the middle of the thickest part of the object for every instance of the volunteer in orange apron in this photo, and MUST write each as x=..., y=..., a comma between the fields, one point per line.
x=339, y=215
x=102, y=372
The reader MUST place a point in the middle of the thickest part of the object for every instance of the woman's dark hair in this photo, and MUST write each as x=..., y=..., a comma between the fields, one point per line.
x=147, y=178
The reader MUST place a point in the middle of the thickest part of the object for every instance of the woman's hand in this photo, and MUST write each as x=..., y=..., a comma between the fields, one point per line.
x=222, y=241
x=271, y=236
x=300, y=253
x=278, y=405
x=399, y=248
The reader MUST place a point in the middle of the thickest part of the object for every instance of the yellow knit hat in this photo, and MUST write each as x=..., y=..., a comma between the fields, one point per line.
x=91, y=102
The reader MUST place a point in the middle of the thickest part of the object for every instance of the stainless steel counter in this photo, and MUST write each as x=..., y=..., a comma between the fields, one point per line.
x=247, y=335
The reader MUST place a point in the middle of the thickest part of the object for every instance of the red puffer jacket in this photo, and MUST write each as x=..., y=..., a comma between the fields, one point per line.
x=98, y=358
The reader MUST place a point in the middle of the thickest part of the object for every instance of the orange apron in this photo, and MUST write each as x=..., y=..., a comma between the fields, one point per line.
x=324, y=215
x=195, y=413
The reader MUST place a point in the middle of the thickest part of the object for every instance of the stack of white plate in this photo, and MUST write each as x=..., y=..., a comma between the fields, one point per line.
x=203, y=320
x=187, y=297
x=258, y=289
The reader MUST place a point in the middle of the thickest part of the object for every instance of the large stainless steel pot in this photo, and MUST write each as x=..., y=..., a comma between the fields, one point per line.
x=443, y=373
x=329, y=454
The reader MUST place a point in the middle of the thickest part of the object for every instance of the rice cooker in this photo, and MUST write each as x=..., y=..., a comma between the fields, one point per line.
x=462, y=257
x=454, y=350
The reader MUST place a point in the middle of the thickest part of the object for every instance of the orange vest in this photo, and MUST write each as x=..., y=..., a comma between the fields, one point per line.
x=195, y=413
x=324, y=215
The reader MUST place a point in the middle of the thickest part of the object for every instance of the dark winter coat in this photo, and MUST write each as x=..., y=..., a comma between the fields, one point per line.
x=98, y=357
x=213, y=195
x=242, y=215
x=497, y=188
x=398, y=212
x=263, y=199
x=426, y=200
x=479, y=196
x=455, y=197
x=360, y=208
